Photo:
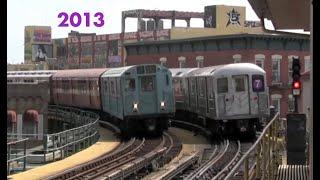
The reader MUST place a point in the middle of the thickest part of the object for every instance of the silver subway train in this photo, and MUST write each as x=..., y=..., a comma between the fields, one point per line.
x=227, y=99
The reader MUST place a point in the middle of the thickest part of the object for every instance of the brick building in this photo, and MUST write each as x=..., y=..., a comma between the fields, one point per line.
x=272, y=52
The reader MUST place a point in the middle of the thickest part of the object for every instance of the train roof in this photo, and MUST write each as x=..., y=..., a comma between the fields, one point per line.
x=238, y=68
x=80, y=73
x=180, y=72
x=227, y=69
x=117, y=72
x=39, y=73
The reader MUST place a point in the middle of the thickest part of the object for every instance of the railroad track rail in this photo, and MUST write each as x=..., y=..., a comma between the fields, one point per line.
x=133, y=156
x=222, y=159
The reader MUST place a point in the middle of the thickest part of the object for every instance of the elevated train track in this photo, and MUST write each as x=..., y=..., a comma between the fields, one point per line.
x=129, y=158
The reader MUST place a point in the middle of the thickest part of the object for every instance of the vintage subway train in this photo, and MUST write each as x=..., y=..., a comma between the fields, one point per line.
x=227, y=99
x=137, y=98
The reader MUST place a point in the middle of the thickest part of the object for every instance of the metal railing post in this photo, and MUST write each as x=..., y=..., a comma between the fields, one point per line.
x=8, y=158
x=258, y=151
x=45, y=145
x=246, y=169
x=271, y=152
x=53, y=145
x=24, y=154
x=263, y=157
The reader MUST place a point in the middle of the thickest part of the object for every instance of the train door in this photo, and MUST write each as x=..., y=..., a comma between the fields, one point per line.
x=147, y=94
x=210, y=97
x=193, y=94
x=222, y=93
x=130, y=94
x=238, y=103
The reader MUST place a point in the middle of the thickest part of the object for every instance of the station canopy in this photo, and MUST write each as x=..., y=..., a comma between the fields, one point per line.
x=31, y=115
x=11, y=116
x=284, y=14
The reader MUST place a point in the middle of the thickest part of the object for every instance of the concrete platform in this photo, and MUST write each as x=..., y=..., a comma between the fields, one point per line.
x=106, y=143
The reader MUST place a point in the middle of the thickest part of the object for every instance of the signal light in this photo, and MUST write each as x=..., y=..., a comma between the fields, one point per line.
x=295, y=69
x=296, y=85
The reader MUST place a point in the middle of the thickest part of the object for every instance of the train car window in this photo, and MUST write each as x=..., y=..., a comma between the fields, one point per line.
x=177, y=89
x=147, y=83
x=222, y=85
x=239, y=84
x=201, y=87
x=150, y=69
x=257, y=83
x=209, y=88
x=167, y=79
x=193, y=86
x=112, y=88
x=140, y=69
x=106, y=87
x=130, y=85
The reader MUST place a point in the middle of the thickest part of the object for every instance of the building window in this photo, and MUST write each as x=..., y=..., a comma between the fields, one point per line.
x=237, y=58
x=259, y=60
x=275, y=99
x=199, y=60
x=290, y=67
x=276, y=59
x=163, y=61
x=307, y=64
x=182, y=62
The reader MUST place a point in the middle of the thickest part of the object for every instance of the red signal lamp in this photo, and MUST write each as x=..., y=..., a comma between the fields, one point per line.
x=296, y=85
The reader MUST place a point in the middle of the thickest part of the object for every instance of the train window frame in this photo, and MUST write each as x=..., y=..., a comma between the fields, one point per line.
x=201, y=86
x=112, y=87
x=106, y=86
x=210, y=91
x=150, y=69
x=144, y=86
x=242, y=87
x=128, y=85
x=225, y=89
x=167, y=79
x=140, y=70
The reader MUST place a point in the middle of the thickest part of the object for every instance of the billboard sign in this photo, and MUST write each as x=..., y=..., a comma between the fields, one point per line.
x=114, y=59
x=42, y=36
x=210, y=17
x=40, y=52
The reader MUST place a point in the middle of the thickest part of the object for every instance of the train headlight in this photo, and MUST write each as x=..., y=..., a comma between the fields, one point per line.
x=135, y=107
x=162, y=105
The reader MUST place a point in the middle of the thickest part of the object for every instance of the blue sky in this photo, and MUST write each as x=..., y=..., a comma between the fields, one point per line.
x=21, y=13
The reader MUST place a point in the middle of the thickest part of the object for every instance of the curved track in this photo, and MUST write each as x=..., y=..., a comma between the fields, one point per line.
x=130, y=157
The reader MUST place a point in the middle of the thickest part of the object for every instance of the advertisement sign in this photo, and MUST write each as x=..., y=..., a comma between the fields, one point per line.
x=73, y=52
x=40, y=52
x=42, y=35
x=210, y=17
x=114, y=59
x=100, y=53
x=86, y=52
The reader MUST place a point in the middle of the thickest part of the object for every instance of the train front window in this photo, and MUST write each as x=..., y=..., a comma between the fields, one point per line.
x=147, y=83
x=239, y=83
x=150, y=69
x=130, y=85
x=222, y=85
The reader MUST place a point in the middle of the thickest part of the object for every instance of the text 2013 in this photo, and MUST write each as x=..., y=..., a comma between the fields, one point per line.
x=76, y=19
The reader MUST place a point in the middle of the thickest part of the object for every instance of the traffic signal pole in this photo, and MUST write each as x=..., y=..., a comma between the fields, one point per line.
x=296, y=83
x=295, y=104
